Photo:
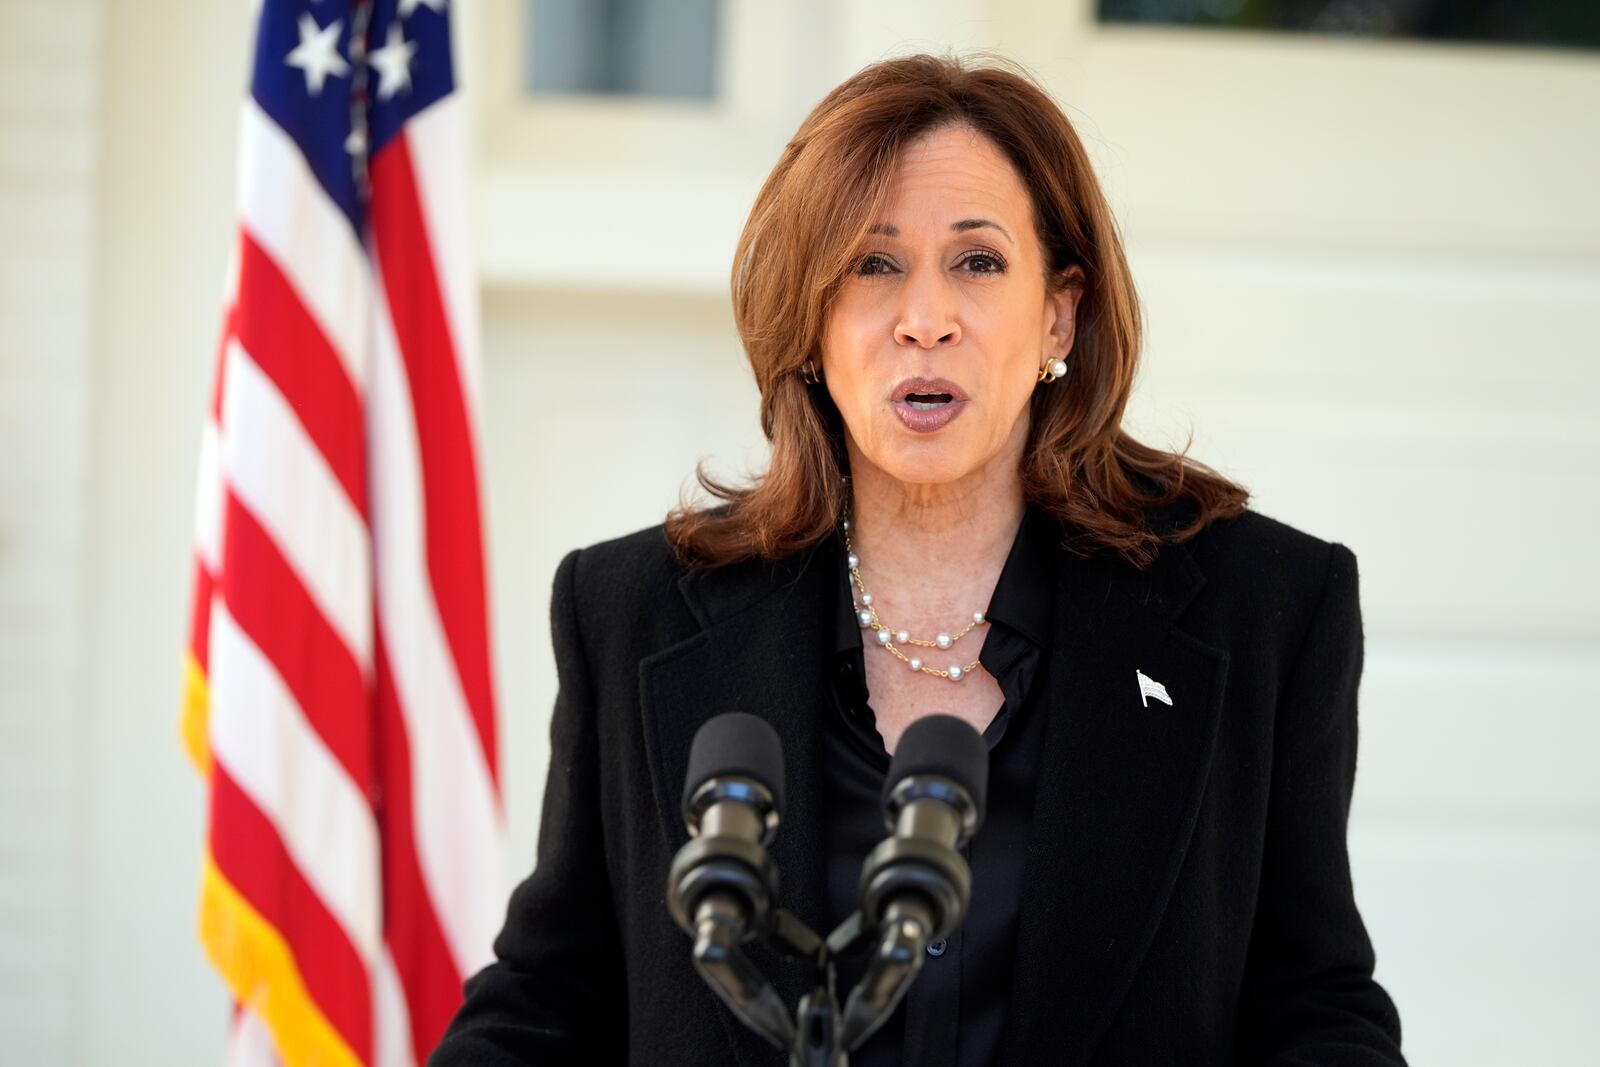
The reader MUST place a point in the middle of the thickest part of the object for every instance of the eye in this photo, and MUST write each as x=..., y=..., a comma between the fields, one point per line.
x=987, y=263
x=978, y=262
x=873, y=264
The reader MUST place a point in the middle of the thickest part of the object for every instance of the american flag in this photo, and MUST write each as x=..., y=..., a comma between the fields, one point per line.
x=1150, y=689
x=338, y=691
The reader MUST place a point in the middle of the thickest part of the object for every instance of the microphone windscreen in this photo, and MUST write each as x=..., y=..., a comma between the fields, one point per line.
x=942, y=745
x=736, y=743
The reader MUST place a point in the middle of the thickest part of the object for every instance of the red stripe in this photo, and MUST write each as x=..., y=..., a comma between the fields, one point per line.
x=251, y=855
x=427, y=972
x=291, y=349
x=200, y=613
x=444, y=432
x=264, y=593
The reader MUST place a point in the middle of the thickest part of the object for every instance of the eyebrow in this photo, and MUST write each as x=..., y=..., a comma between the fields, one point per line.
x=959, y=226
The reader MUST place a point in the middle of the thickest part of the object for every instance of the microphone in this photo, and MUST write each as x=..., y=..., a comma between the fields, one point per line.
x=933, y=803
x=722, y=888
x=915, y=886
x=722, y=884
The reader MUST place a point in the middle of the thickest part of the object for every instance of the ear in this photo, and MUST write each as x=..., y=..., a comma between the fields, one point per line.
x=1061, y=311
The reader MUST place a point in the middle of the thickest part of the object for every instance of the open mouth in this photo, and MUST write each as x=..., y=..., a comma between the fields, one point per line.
x=927, y=405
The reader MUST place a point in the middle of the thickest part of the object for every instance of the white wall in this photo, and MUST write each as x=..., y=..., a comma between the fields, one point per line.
x=172, y=77
x=1370, y=274
x=48, y=66
x=117, y=167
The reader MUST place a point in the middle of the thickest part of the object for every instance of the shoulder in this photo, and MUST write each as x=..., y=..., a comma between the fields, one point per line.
x=1266, y=582
x=1260, y=539
x=621, y=595
x=1271, y=550
x=621, y=573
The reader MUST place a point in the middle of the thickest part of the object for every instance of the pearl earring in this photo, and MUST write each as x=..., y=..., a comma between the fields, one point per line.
x=1052, y=370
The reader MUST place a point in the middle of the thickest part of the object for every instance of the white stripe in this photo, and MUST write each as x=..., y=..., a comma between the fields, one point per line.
x=457, y=822
x=208, y=497
x=261, y=737
x=291, y=217
x=249, y=1042
x=230, y=276
x=391, y=1037
x=438, y=145
x=281, y=476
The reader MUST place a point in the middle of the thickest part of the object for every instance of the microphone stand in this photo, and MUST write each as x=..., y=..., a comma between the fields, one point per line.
x=820, y=1034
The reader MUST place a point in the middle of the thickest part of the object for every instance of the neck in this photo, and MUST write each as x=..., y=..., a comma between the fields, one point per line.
x=958, y=533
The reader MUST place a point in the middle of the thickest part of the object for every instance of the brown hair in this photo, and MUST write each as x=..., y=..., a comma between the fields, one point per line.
x=804, y=232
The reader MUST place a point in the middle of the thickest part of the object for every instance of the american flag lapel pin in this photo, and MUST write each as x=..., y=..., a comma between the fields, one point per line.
x=1149, y=687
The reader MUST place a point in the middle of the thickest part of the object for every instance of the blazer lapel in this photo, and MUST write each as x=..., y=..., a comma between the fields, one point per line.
x=1120, y=783
x=759, y=651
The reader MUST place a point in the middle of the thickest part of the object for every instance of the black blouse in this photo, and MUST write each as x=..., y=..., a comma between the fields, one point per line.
x=956, y=1009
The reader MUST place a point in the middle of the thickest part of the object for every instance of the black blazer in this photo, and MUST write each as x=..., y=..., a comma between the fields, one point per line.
x=1187, y=896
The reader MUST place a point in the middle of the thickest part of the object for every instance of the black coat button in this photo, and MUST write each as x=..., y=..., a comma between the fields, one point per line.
x=937, y=948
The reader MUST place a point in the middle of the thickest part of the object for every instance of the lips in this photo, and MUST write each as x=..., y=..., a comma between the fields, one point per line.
x=927, y=404
x=926, y=390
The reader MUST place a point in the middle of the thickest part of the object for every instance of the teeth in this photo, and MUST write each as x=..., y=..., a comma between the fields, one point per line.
x=925, y=406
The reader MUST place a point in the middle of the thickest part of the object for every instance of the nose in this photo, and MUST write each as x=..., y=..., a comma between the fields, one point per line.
x=927, y=312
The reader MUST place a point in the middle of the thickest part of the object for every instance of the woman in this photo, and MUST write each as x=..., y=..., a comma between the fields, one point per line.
x=935, y=302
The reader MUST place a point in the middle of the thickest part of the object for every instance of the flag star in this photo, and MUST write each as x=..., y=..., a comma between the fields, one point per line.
x=318, y=53
x=393, y=62
x=409, y=7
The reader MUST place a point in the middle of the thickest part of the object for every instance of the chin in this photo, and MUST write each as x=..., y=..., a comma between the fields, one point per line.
x=929, y=462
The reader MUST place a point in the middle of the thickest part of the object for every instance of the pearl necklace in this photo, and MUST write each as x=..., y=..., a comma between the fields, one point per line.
x=867, y=616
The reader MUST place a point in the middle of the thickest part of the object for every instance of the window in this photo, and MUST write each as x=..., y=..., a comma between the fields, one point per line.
x=651, y=48
x=1566, y=23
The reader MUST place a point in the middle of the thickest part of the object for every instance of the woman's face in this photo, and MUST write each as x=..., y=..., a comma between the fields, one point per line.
x=934, y=344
